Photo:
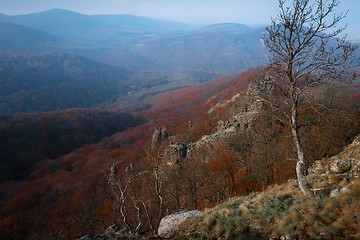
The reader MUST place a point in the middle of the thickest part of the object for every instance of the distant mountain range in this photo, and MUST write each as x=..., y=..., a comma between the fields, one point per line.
x=61, y=59
x=216, y=49
x=136, y=42
x=92, y=28
x=224, y=27
x=80, y=93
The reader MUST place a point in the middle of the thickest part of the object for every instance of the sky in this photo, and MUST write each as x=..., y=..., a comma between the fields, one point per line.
x=249, y=12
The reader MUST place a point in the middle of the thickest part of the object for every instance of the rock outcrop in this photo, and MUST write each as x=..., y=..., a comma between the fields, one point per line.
x=242, y=122
x=176, y=153
x=337, y=171
x=170, y=224
x=159, y=135
x=347, y=161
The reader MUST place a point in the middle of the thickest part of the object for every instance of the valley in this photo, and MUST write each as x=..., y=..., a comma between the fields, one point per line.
x=58, y=61
x=122, y=119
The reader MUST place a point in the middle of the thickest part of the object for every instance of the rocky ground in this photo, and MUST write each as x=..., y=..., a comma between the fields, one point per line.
x=280, y=212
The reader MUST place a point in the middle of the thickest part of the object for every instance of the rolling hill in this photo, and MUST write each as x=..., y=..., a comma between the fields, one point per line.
x=220, y=48
x=14, y=37
x=50, y=81
x=143, y=43
x=94, y=28
x=224, y=27
x=46, y=81
x=212, y=50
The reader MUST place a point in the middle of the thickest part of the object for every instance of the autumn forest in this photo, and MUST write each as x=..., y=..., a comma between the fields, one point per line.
x=120, y=119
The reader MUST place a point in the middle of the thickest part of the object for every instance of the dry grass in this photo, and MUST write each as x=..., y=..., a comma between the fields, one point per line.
x=279, y=211
x=283, y=209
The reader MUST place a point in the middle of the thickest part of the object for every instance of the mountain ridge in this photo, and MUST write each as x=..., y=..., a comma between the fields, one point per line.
x=153, y=39
x=15, y=37
x=54, y=21
x=224, y=27
x=49, y=81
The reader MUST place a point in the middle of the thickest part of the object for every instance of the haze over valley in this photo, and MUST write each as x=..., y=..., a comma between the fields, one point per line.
x=118, y=116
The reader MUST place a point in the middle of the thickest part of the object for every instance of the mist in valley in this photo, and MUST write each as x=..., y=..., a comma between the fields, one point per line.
x=126, y=111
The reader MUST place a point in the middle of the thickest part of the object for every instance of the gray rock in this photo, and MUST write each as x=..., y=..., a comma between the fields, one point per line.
x=356, y=141
x=177, y=152
x=159, y=135
x=340, y=165
x=170, y=224
x=112, y=229
x=317, y=168
x=286, y=237
x=336, y=192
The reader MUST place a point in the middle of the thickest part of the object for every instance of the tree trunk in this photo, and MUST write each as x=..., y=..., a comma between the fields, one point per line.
x=301, y=166
x=158, y=191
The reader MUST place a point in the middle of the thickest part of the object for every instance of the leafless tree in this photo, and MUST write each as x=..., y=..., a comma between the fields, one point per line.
x=120, y=188
x=306, y=51
x=156, y=167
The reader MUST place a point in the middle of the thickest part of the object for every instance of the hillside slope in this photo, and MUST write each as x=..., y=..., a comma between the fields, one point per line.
x=14, y=37
x=49, y=81
x=283, y=212
x=213, y=50
x=183, y=149
x=27, y=138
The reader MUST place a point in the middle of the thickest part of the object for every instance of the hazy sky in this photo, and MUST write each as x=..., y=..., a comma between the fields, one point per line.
x=250, y=12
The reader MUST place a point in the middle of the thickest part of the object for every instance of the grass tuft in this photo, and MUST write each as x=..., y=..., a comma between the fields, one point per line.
x=283, y=210
x=279, y=211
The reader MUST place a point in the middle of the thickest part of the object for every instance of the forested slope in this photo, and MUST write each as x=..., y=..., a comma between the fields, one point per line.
x=219, y=142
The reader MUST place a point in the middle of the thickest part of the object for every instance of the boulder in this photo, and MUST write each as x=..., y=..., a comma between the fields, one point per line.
x=340, y=165
x=170, y=224
x=286, y=237
x=336, y=192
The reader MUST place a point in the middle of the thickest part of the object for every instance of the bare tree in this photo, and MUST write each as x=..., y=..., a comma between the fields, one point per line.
x=120, y=188
x=306, y=51
x=156, y=167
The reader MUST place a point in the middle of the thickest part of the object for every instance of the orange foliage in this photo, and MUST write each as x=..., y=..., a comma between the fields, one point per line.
x=76, y=193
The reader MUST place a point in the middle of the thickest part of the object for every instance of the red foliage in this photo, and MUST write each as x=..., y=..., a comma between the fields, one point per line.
x=73, y=192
